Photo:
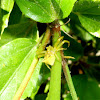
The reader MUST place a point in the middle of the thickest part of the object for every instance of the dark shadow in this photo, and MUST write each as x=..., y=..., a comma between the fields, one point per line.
x=41, y=27
x=15, y=15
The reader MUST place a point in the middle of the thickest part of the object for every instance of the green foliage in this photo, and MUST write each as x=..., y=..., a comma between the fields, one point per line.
x=46, y=11
x=14, y=57
x=88, y=11
x=13, y=31
x=86, y=88
x=21, y=41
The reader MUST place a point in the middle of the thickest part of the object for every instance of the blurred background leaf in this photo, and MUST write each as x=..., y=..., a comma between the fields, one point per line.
x=86, y=88
x=88, y=12
x=26, y=29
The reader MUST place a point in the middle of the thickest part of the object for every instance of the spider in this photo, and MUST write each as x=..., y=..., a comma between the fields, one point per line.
x=50, y=53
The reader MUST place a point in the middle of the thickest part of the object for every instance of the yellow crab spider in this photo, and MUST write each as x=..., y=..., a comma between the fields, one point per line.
x=50, y=53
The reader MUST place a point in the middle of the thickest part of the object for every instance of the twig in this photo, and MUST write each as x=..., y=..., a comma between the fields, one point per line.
x=68, y=78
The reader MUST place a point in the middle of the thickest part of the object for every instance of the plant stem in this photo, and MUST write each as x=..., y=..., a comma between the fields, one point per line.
x=45, y=40
x=55, y=81
x=69, y=80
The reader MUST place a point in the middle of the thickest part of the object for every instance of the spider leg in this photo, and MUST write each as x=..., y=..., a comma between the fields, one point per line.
x=48, y=66
x=58, y=41
x=68, y=57
x=62, y=49
x=64, y=41
x=57, y=56
x=41, y=54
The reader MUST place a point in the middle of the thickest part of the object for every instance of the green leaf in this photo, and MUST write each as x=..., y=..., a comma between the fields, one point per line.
x=46, y=11
x=27, y=29
x=5, y=10
x=34, y=83
x=91, y=7
x=91, y=23
x=40, y=75
x=15, y=59
x=88, y=12
x=43, y=76
x=82, y=33
x=78, y=29
x=87, y=88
